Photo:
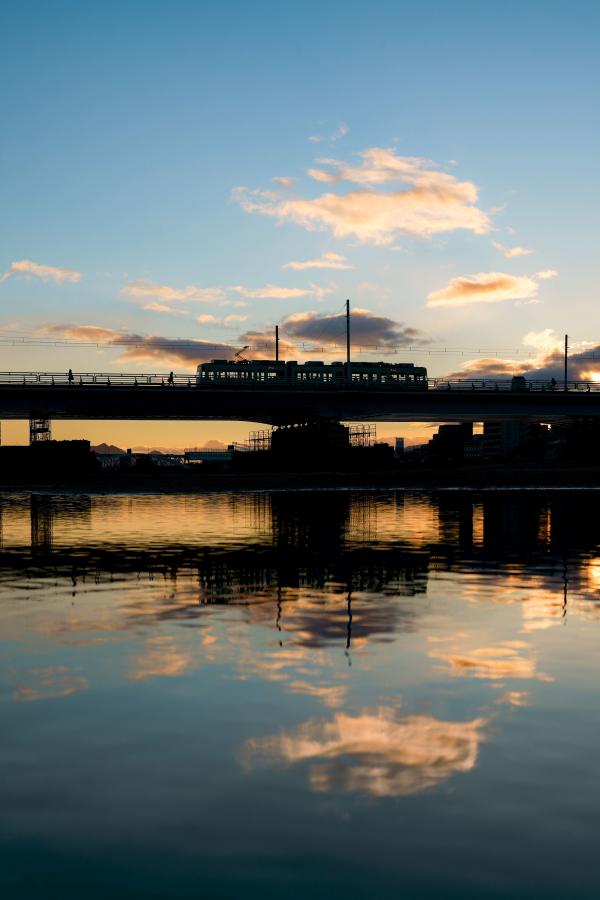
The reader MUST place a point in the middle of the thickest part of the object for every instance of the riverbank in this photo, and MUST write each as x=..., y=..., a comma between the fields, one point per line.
x=525, y=475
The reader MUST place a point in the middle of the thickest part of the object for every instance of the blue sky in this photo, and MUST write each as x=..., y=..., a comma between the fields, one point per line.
x=127, y=126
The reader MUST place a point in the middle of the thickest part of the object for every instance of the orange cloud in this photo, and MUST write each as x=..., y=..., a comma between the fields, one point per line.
x=164, y=308
x=514, y=698
x=380, y=165
x=51, y=681
x=233, y=319
x=92, y=333
x=484, y=287
x=325, y=261
x=142, y=289
x=206, y=319
x=276, y=292
x=510, y=252
x=374, y=752
x=161, y=297
x=140, y=348
x=489, y=368
x=545, y=361
x=435, y=201
x=163, y=658
x=498, y=662
x=43, y=272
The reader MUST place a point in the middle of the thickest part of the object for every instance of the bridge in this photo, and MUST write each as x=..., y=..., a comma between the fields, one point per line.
x=26, y=395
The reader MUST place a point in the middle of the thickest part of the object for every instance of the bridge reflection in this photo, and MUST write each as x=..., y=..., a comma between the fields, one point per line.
x=264, y=551
x=304, y=537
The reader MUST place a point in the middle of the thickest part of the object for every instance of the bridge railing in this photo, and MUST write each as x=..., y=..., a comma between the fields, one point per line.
x=161, y=380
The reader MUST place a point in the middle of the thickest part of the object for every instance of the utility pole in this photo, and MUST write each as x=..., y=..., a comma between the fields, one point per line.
x=566, y=359
x=348, y=374
x=277, y=343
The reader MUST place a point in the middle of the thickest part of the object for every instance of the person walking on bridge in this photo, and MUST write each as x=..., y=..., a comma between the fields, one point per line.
x=70, y=376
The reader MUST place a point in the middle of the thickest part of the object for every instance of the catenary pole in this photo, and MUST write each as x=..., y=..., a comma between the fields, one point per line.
x=348, y=375
x=277, y=343
x=566, y=359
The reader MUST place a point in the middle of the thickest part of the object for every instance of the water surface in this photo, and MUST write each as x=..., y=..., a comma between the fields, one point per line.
x=300, y=694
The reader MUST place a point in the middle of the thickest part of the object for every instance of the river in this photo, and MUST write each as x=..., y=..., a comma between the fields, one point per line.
x=292, y=694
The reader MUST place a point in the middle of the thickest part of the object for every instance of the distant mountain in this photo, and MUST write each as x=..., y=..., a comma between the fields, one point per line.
x=162, y=450
x=209, y=445
x=107, y=448
x=111, y=448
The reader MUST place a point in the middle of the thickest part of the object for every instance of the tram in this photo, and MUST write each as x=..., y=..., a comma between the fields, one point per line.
x=259, y=372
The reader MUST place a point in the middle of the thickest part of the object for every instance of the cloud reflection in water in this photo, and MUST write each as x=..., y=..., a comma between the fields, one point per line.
x=374, y=752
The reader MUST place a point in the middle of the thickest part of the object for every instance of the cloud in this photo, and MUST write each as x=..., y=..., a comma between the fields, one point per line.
x=45, y=273
x=510, y=252
x=325, y=261
x=285, y=180
x=276, y=292
x=489, y=368
x=543, y=342
x=341, y=131
x=547, y=273
x=435, y=202
x=139, y=348
x=500, y=662
x=263, y=345
x=380, y=165
x=374, y=753
x=311, y=328
x=484, y=287
x=515, y=698
x=92, y=333
x=164, y=308
x=225, y=322
x=206, y=319
x=546, y=361
x=233, y=319
x=367, y=329
x=161, y=297
x=49, y=682
x=142, y=289
x=162, y=658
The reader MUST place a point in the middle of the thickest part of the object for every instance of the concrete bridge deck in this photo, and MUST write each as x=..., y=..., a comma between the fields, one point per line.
x=143, y=397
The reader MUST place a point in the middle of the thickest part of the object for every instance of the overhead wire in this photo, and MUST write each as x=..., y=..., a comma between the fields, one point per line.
x=30, y=341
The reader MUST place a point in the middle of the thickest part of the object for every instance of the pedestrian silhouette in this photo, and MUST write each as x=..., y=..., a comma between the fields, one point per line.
x=553, y=383
x=70, y=376
x=171, y=381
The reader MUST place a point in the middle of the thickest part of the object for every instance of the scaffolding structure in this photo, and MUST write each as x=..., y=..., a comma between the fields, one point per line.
x=260, y=440
x=39, y=429
x=362, y=435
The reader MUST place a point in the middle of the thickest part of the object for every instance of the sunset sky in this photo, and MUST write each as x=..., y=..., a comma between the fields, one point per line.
x=202, y=170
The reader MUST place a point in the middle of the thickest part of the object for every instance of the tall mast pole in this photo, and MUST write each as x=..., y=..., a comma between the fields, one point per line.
x=277, y=343
x=348, y=374
x=566, y=359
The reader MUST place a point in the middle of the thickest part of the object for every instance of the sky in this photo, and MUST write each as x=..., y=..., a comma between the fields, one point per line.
x=199, y=171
